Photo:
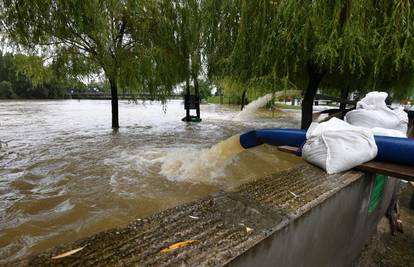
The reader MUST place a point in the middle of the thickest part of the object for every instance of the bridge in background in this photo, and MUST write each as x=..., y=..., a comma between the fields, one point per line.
x=126, y=96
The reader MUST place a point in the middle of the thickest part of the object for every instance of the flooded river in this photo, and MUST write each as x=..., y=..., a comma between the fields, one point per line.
x=64, y=174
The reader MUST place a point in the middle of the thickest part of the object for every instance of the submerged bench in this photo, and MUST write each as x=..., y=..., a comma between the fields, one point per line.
x=297, y=217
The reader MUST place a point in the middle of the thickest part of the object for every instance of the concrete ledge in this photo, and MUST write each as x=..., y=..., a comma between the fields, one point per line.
x=299, y=217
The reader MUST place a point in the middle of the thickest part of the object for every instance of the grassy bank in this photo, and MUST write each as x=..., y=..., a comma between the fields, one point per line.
x=236, y=101
x=232, y=100
x=286, y=106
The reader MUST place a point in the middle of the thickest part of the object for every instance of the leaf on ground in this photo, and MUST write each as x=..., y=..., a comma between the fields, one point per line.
x=68, y=253
x=178, y=245
x=248, y=229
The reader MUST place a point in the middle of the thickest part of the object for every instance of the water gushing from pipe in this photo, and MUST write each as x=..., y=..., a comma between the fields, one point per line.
x=249, y=111
x=204, y=165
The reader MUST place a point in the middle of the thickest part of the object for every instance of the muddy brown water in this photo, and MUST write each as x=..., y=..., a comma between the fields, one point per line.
x=64, y=174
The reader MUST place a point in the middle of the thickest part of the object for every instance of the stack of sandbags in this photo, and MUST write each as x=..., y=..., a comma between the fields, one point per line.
x=372, y=113
x=337, y=145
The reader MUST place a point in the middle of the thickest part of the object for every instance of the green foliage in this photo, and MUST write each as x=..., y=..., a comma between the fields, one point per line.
x=360, y=44
x=250, y=46
x=130, y=41
x=286, y=106
x=184, y=23
x=228, y=100
x=32, y=67
x=220, y=20
x=141, y=46
x=214, y=99
x=354, y=46
x=6, y=90
x=205, y=89
x=25, y=77
x=95, y=86
x=230, y=87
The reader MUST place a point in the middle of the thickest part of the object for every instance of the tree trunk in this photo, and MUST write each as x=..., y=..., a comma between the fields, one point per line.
x=315, y=77
x=243, y=100
x=342, y=106
x=187, y=88
x=344, y=95
x=114, y=103
x=197, y=93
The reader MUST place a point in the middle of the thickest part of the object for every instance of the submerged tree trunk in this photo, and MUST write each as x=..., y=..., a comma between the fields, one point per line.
x=315, y=77
x=114, y=103
x=243, y=100
x=187, y=90
x=197, y=93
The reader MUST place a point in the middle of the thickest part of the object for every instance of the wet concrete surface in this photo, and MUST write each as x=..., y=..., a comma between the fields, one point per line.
x=386, y=250
x=223, y=225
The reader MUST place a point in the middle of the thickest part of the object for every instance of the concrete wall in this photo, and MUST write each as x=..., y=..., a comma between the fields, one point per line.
x=298, y=217
x=331, y=234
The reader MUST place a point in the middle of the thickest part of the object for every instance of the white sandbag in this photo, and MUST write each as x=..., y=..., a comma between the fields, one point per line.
x=372, y=112
x=387, y=132
x=337, y=146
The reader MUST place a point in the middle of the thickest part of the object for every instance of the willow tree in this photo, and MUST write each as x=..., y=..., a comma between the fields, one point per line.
x=118, y=38
x=312, y=43
x=186, y=22
x=230, y=44
x=247, y=47
x=220, y=27
x=369, y=42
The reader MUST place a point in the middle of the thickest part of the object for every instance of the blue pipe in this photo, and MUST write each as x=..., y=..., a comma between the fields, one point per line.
x=390, y=149
x=275, y=136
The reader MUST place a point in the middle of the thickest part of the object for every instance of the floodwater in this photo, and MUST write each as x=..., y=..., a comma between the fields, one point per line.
x=64, y=174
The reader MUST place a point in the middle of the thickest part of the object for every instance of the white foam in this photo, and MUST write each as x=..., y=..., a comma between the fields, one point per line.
x=204, y=165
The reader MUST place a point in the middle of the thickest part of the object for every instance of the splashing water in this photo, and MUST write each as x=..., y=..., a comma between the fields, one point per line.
x=209, y=164
x=249, y=111
x=202, y=166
